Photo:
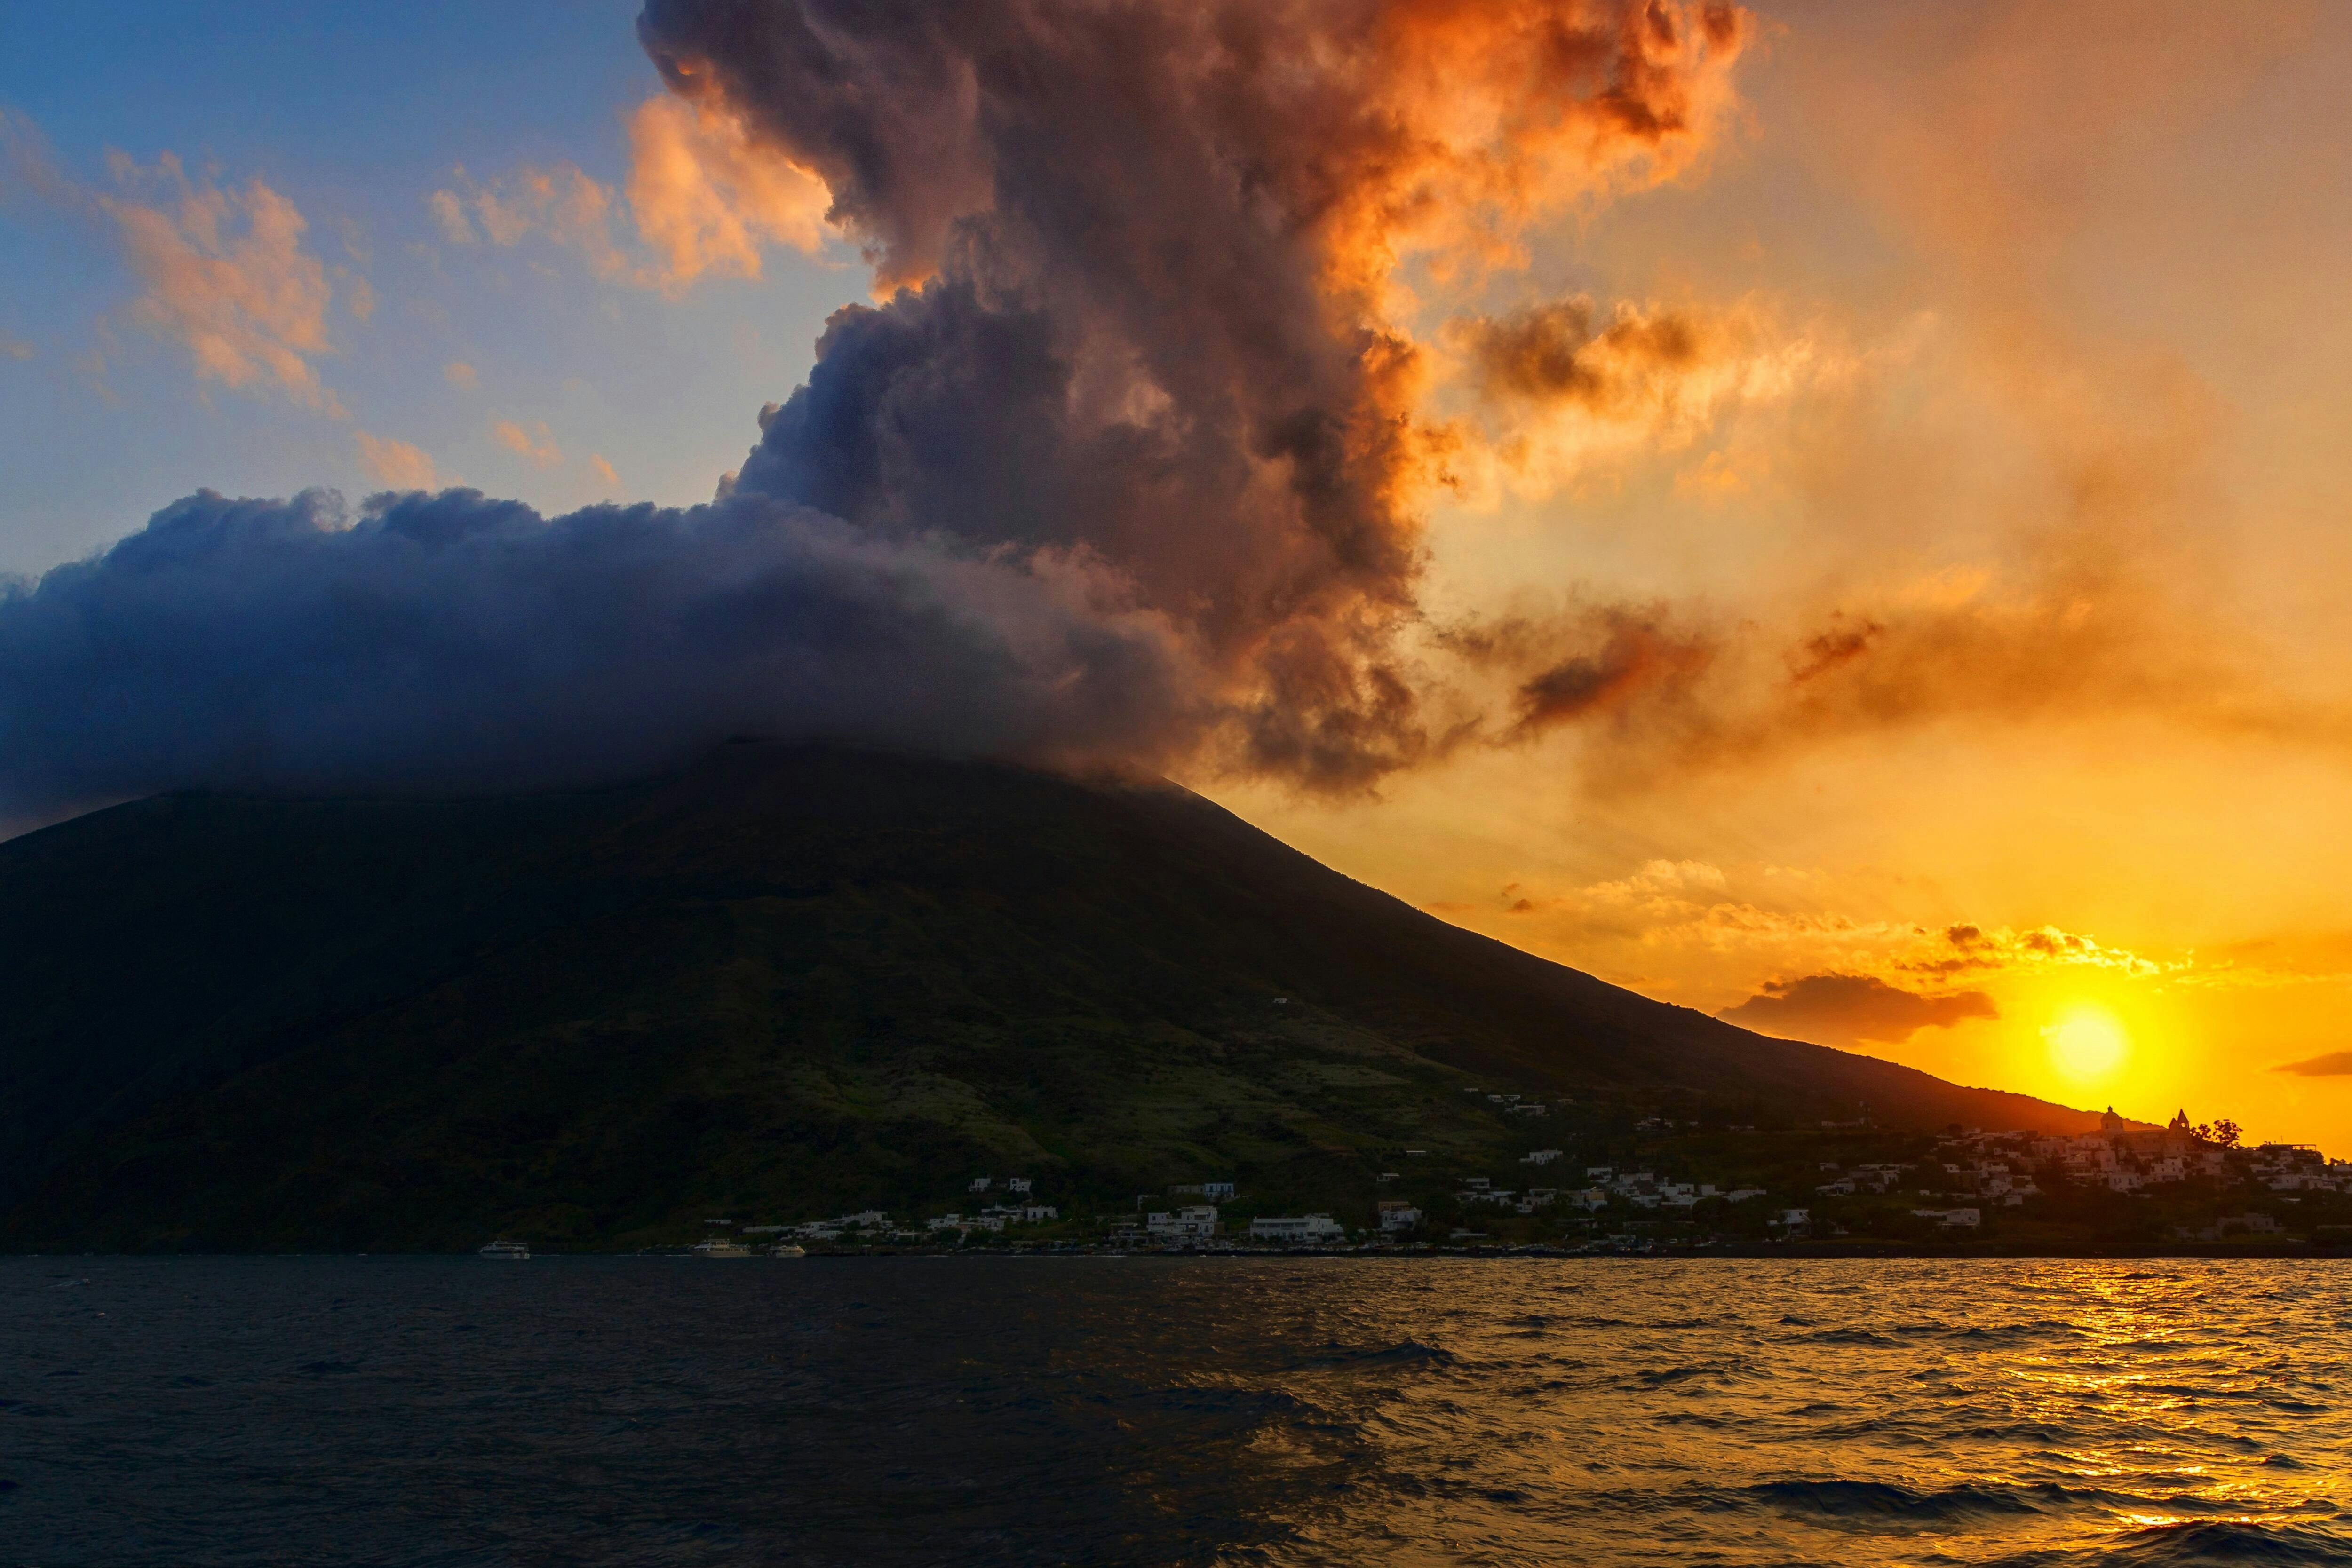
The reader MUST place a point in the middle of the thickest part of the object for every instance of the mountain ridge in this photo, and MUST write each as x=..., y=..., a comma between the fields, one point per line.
x=784, y=977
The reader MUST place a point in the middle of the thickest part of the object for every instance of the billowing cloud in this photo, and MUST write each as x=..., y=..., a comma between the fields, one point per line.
x=460, y=374
x=1133, y=460
x=437, y=642
x=397, y=463
x=2335, y=1064
x=13, y=349
x=709, y=199
x=1854, y=1007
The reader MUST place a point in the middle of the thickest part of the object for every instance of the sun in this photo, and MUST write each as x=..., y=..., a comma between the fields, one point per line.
x=2087, y=1043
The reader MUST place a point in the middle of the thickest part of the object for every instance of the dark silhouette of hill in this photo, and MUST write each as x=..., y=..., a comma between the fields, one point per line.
x=787, y=980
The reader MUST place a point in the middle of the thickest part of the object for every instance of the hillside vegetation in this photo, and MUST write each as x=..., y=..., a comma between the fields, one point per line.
x=787, y=981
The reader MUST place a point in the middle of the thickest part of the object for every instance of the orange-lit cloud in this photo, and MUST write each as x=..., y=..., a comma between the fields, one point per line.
x=227, y=277
x=397, y=463
x=459, y=374
x=708, y=200
x=562, y=202
x=537, y=444
x=1427, y=134
x=702, y=198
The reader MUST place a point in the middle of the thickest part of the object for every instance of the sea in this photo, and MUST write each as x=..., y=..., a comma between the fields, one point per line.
x=1147, y=1410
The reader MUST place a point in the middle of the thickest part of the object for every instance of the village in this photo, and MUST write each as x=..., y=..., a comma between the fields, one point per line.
x=1680, y=1185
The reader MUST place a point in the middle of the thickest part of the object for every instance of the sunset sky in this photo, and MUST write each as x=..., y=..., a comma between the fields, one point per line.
x=1865, y=558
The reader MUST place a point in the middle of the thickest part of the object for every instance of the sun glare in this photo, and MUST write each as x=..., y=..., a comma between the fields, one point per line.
x=2086, y=1042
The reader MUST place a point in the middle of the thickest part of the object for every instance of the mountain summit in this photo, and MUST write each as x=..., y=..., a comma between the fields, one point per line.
x=789, y=980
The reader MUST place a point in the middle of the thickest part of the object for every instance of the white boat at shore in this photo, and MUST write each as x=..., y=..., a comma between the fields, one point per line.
x=788, y=1249
x=721, y=1246
x=515, y=1250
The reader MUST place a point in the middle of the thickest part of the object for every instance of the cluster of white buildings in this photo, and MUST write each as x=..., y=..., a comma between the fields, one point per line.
x=1643, y=1189
x=1194, y=1222
x=2298, y=1168
x=2123, y=1158
x=1513, y=1104
x=871, y=1220
x=1308, y=1230
x=993, y=1217
x=1198, y=1225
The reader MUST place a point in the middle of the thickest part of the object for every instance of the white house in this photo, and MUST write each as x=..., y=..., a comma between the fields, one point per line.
x=978, y=1184
x=1195, y=1222
x=1541, y=1157
x=1309, y=1228
x=1398, y=1215
x=1215, y=1191
x=1952, y=1219
x=1017, y=1184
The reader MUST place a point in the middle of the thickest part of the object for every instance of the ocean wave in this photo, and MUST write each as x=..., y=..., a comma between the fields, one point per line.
x=1886, y=1500
x=1879, y=1500
x=1666, y=1376
x=1405, y=1353
x=2219, y=1544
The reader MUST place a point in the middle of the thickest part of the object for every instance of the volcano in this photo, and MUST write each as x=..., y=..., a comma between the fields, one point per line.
x=787, y=979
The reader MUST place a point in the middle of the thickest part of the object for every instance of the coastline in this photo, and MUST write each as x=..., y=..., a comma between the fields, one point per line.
x=2187, y=1251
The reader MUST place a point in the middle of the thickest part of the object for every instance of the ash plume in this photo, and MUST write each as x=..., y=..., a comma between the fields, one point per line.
x=1124, y=464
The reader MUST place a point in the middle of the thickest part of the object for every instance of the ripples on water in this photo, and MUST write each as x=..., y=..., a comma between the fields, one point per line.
x=1159, y=1411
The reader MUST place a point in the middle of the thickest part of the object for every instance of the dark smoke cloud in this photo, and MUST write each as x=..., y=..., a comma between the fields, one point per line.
x=1126, y=465
x=440, y=641
x=1553, y=353
x=1583, y=662
x=1853, y=1007
x=2335, y=1064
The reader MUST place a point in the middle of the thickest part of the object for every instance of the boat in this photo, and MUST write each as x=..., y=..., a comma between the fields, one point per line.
x=721, y=1246
x=788, y=1249
x=513, y=1250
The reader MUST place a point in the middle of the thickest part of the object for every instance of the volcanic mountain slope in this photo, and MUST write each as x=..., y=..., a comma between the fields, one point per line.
x=786, y=981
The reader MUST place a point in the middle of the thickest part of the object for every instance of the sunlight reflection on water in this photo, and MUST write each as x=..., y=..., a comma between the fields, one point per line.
x=1133, y=1410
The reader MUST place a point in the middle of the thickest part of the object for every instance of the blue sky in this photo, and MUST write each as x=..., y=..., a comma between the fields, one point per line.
x=357, y=113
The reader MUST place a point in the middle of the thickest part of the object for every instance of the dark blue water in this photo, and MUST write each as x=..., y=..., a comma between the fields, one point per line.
x=321, y=1411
